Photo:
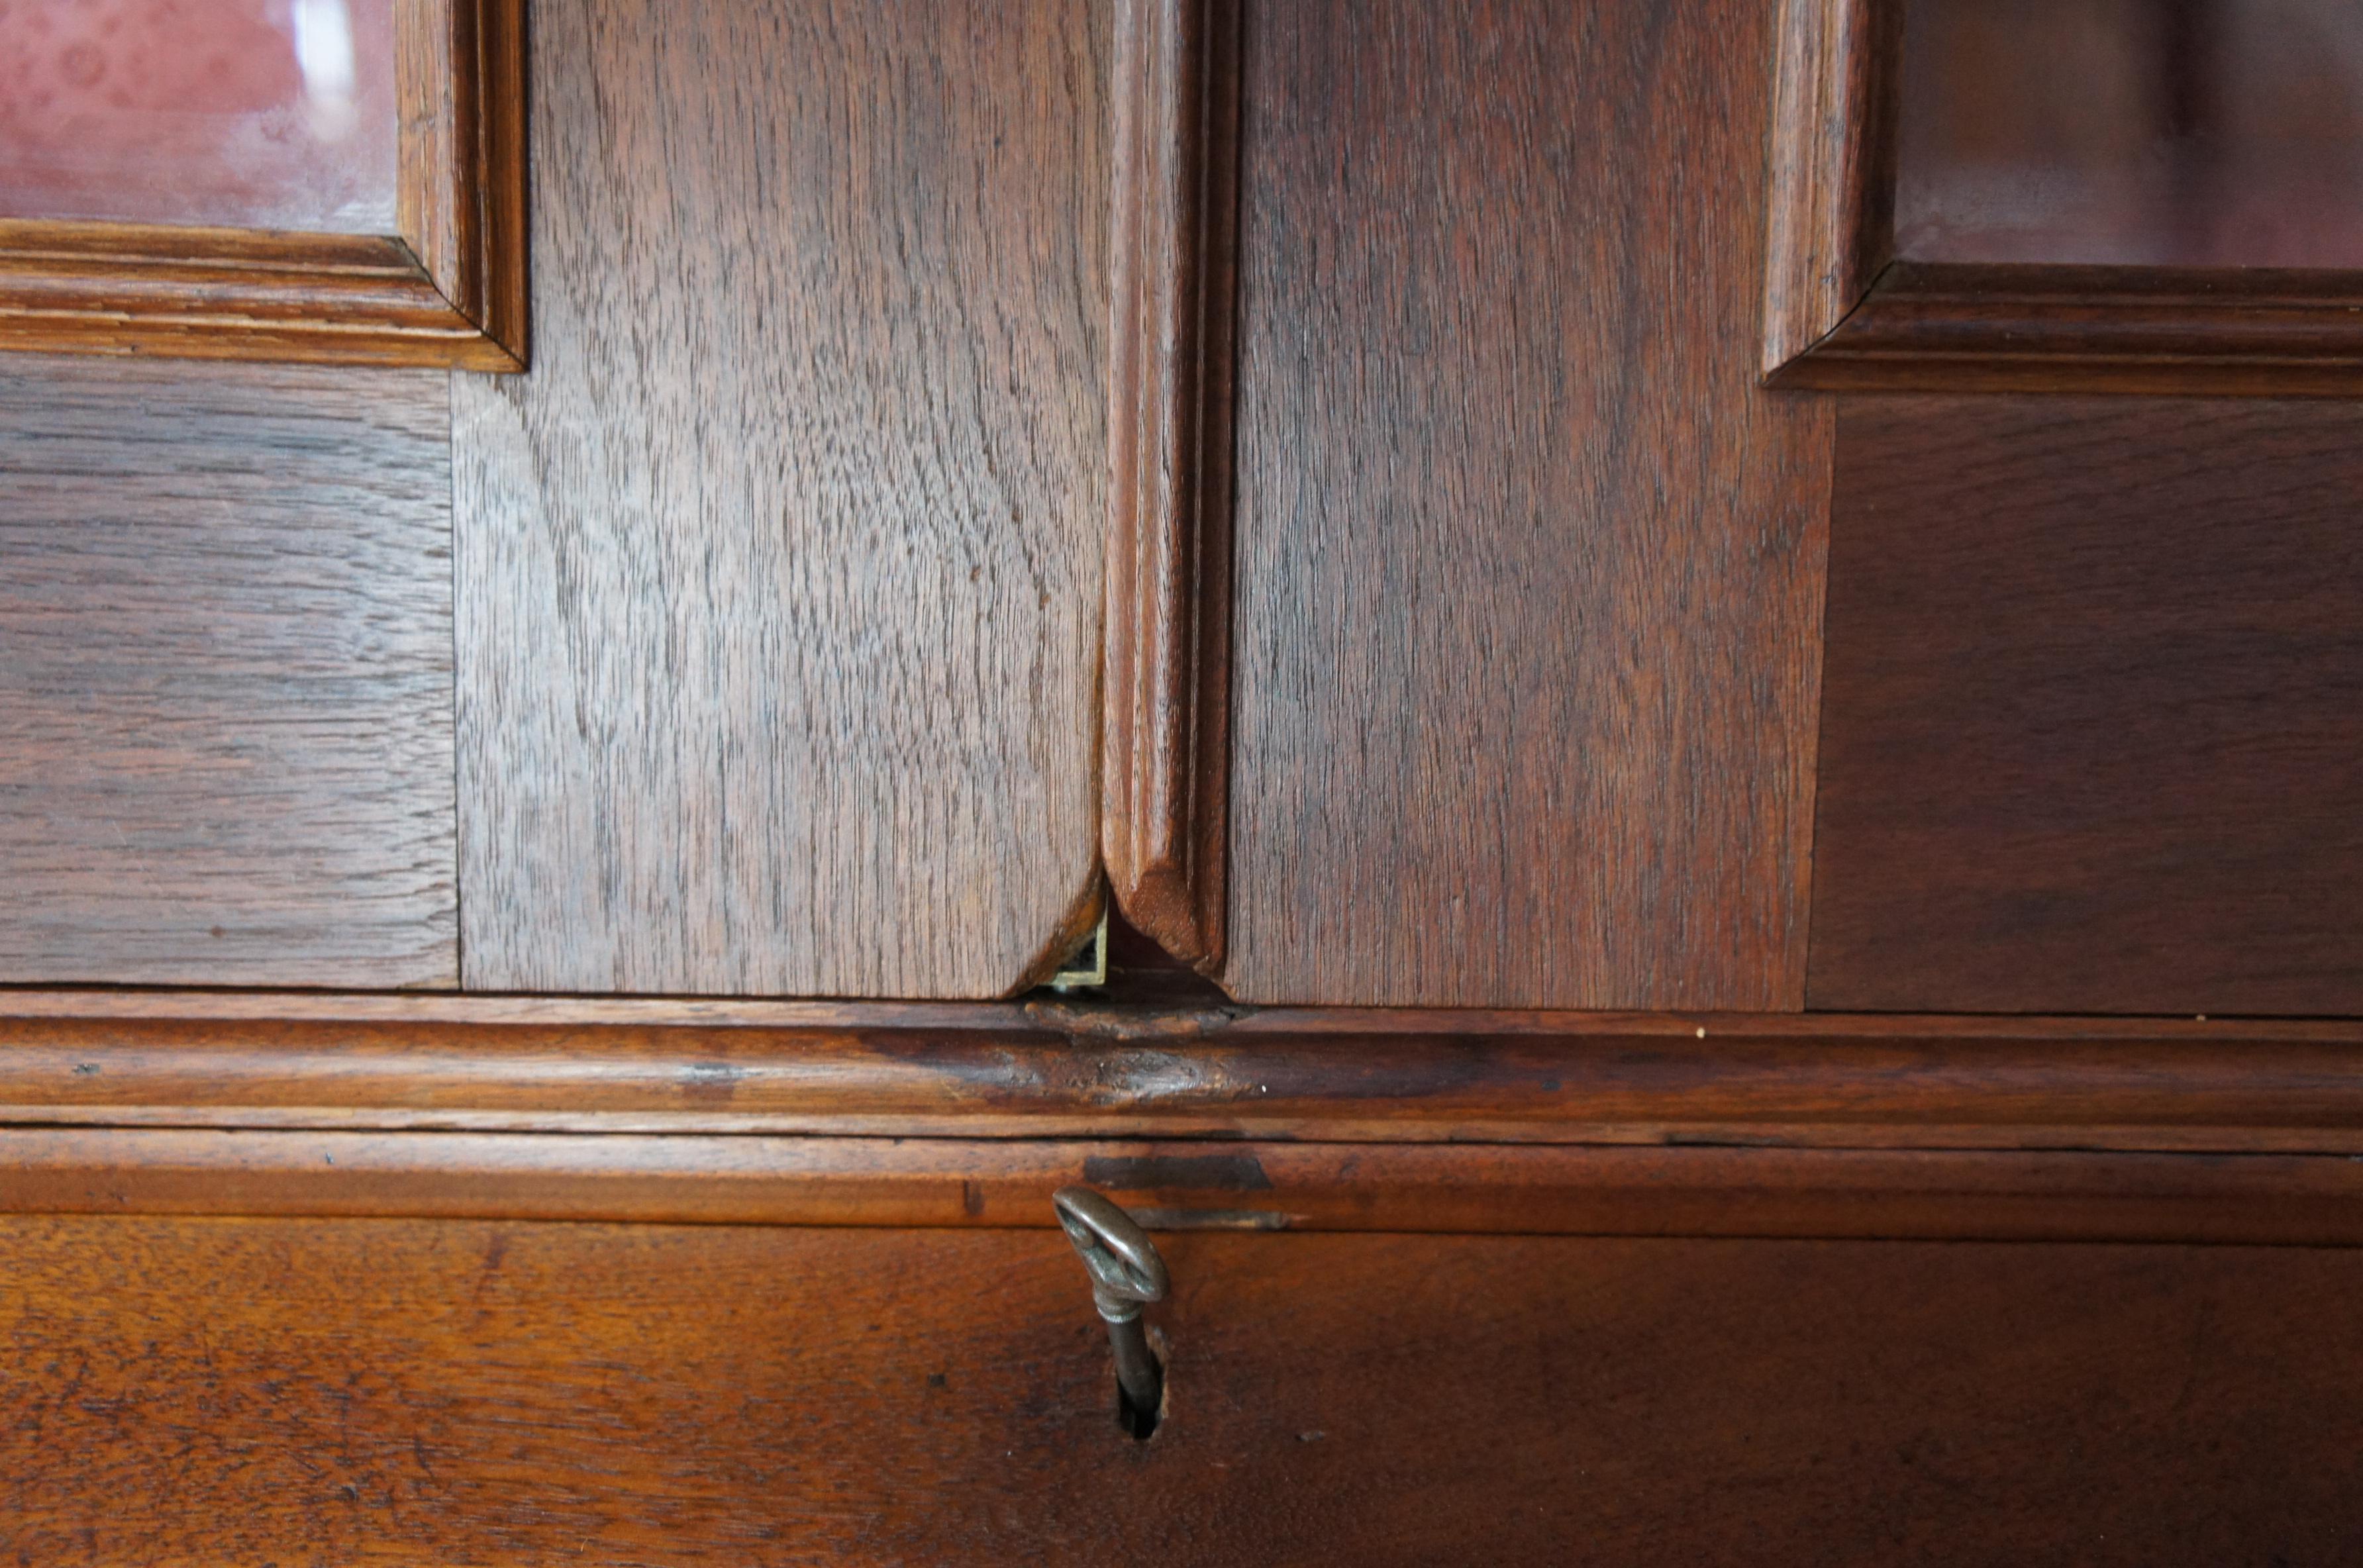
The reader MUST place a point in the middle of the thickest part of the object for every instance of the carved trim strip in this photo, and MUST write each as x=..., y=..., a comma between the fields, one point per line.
x=1055, y=1070
x=1887, y=1194
x=1165, y=785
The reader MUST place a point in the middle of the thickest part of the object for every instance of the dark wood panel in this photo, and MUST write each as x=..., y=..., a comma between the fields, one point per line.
x=225, y=746
x=780, y=573
x=520, y=1393
x=2093, y=731
x=996, y=1070
x=1529, y=570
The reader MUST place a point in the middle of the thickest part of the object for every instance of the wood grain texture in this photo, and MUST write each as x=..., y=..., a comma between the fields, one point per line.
x=1050, y=1070
x=1166, y=733
x=1833, y=203
x=778, y=576
x=226, y=752
x=214, y=294
x=1529, y=570
x=2093, y=735
x=1453, y=1188
x=1935, y=327
x=459, y=67
x=448, y=289
x=476, y=1394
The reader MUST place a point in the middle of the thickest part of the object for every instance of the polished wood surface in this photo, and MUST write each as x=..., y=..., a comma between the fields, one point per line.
x=256, y=1392
x=1833, y=196
x=1165, y=758
x=1529, y=570
x=448, y=290
x=1945, y=327
x=225, y=676
x=1236, y=1185
x=1057, y=1070
x=2093, y=734
x=778, y=617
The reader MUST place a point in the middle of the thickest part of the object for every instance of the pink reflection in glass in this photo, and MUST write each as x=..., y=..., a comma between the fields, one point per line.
x=2201, y=133
x=247, y=114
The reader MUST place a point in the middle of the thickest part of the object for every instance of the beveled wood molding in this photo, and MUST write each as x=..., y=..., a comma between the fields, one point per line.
x=972, y=1114
x=1031, y=1071
x=1164, y=779
x=1842, y=313
x=1951, y=1195
x=448, y=289
x=1833, y=197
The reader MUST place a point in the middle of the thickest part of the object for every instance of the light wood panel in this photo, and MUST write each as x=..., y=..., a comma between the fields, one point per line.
x=1524, y=664
x=225, y=750
x=2093, y=735
x=253, y=1392
x=780, y=572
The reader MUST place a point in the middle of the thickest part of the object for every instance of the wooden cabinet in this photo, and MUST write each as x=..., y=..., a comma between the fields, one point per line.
x=1728, y=849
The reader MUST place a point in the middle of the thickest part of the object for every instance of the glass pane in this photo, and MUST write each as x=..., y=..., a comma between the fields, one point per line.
x=251, y=113
x=2200, y=133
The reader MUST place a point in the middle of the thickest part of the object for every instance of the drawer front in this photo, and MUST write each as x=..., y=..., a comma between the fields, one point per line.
x=296, y=1391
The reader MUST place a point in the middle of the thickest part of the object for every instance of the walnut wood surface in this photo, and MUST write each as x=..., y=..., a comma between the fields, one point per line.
x=780, y=575
x=1038, y=1070
x=1833, y=198
x=1955, y=327
x=1933, y=1194
x=2093, y=731
x=1166, y=761
x=226, y=691
x=258, y=1392
x=1525, y=666
x=448, y=289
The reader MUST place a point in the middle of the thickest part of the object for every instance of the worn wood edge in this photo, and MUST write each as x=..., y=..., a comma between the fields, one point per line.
x=1035, y=1070
x=1165, y=736
x=448, y=292
x=1081, y=916
x=2171, y=332
x=1896, y=1195
x=1831, y=216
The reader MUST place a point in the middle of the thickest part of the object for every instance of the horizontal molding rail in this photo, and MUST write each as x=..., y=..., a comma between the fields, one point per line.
x=1053, y=1070
x=1895, y=1194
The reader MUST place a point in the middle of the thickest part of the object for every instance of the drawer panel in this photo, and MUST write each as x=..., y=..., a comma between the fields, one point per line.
x=338, y=1391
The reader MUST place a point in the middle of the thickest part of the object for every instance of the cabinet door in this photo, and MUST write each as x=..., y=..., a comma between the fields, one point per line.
x=778, y=572
x=1529, y=566
x=746, y=642
x=521, y=1394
